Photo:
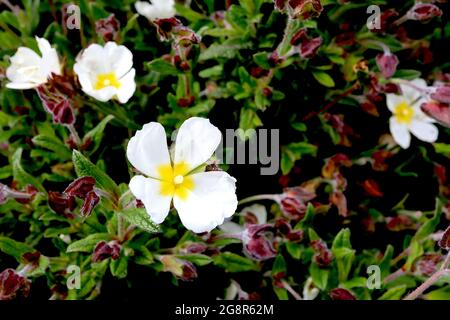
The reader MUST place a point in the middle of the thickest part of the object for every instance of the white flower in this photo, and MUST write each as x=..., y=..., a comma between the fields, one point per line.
x=408, y=117
x=203, y=199
x=157, y=9
x=107, y=72
x=29, y=70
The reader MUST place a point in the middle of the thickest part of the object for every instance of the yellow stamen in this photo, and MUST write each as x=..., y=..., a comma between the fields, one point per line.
x=404, y=112
x=106, y=80
x=174, y=181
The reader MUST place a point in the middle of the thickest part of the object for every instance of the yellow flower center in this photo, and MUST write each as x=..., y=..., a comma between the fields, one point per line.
x=107, y=80
x=174, y=181
x=404, y=112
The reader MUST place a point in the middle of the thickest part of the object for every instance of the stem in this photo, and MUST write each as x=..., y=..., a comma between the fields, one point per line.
x=432, y=280
x=291, y=290
x=120, y=227
x=446, y=262
x=394, y=276
x=14, y=9
x=287, y=31
x=273, y=197
x=401, y=20
x=74, y=134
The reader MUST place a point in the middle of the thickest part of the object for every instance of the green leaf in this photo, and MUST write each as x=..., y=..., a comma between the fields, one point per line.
x=232, y=262
x=88, y=244
x=394, y=293
x=211, y=72
x=84, y=167
x=188, y=13
x=140, y=218
x=96, y=134
x=21, y=175
x=14, y=248
x=344, y=255
x=430, y=225
x=407, y=74
x=319, y=276
x=119, y=267
x=324, y=78
x=162, y=67
x=53, y=144
x=261, y=59
x=198, y=259
x=385, y=264
x=442, y=148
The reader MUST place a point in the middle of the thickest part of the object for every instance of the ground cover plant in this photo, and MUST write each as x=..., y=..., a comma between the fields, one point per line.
x=112, y=111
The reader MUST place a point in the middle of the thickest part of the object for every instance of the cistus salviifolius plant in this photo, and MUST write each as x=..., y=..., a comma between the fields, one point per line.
x=112, y=112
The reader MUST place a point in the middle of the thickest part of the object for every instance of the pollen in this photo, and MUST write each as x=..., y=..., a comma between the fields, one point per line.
x=107, y=80
x=404, y=113
x=174, y=180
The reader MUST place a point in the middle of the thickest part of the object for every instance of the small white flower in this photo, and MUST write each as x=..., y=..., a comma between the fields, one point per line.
x=203, y=199
x=107, y=72
x=408, y=117
x=157, y=9
x=29, y=70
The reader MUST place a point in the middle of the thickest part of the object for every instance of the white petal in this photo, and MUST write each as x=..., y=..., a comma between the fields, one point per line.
x=120, y=57
x=25, y=67
x=196, y=141
x=148, y=191
x=258, y=210
x=148, y=149
x=211, y=201
x=400, y=133
x=158, y=9
x=424, y=131
x=50, y=61
x=410, y=93
x=393, y=100
x=127, y=87
x=103, y=95
x=22, y=85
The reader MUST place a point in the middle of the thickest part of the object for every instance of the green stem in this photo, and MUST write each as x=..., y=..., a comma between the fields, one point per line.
x=273, y=197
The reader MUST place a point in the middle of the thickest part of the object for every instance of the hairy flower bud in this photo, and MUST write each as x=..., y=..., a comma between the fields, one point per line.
x=444, y=243
x=293, y=202
x=90, y=202
x=257, y=241
x=108, y=28
x=13, y=285
x=62, y=204
x=438, y=111
x=305, y=9
x=442, y=94
x=323, y=256
x=387, y=63
x=181, y=269
x=80, y=187
x=57, y=105
x=104, y=250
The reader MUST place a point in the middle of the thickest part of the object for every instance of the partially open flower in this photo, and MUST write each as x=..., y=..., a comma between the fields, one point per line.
x=62, y=204
x=29, y=70
x=108, y=28
x=181, y=269
x=444, y=243
x=58, y=105
x=80, y=187
x=323, y=256
x=203, y=199
x=437, y=111
x=424, y=12
x=258, y=242
x=408, y=117
x=90, y=202
x=293, y=202
x=441, y=94
x=13, y=285
x=156, y=9
x=107, y=72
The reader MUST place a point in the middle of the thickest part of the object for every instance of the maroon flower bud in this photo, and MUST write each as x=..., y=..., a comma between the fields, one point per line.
x=308, y=49
x=347, y=38
x=166, y=26
x=57, y=105
x=424, y=12
x=193, y=248
x=13, y=285
x=444, y=243
x=442, y=94
x=387, y=63
x=387, y=18
x=181, y=269
x=62, y=204
x=293, y=202
x=305, y=9
x=80, y=187
x=275, y=59
x=280, y=4
x=27, y=195
x=258, y=243
x=427, y=265
x=32, y=257
x=186, y=102
x=90, y=202
x=323, y=256
x=285, y=229
x=372, y=189
x=108, y=28
x=379, y=160
x=299, y=37
x=438, y=111
x=341, y=294
x=104, y=250
x=400, y=223
x=267, y=92
x=258, y=72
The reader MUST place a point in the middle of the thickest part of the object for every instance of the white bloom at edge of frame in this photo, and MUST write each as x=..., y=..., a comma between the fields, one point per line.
x=29, y=70
x=203, y=199
x=157, y=9
x=107, y=72
x=407, y=117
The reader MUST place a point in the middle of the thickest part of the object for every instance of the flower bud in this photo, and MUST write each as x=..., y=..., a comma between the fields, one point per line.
x=424, y=12
x=442, y=94
x=444, y=243
x=62, y=204
x=108, y=28
x=427, y=265
x=438, y=111
x=323, y=256
x=341, y=294
x=305, y=9
x=193, y=248
x=387, y=63
x=13, y=285
x=80, y=187
x=57, y=105
x=257, y=241
x=90, y=202
x=293, y=202
x=181, y=269
x=400, y=223
x=104, y=250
